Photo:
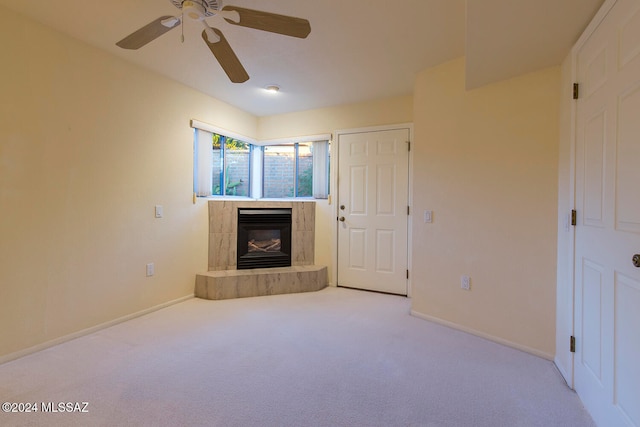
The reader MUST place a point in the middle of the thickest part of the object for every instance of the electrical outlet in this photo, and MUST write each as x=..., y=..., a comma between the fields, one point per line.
x=151, y=269
x=465, y=283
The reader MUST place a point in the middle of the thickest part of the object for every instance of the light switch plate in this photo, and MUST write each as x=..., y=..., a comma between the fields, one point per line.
x=159, y=211
x=428, y=216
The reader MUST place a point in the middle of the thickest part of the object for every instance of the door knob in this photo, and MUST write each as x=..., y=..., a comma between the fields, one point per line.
x=636, y=260
x=341, y=219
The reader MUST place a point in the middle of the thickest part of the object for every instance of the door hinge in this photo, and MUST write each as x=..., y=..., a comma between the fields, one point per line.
x=574, y=217
x=572, y=344
x=408, y=145
x=407, y=274
x=576, y=90
x=408, y=210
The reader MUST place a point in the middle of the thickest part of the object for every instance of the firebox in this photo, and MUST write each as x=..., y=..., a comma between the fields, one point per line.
x=264, y=238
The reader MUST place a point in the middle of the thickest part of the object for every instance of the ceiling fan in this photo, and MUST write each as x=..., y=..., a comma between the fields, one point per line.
x=199, y=10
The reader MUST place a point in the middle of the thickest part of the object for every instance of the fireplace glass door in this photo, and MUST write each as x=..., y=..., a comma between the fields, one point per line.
x=264, y=238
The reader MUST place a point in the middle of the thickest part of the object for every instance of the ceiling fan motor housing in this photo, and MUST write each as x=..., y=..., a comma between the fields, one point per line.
x=197, y=9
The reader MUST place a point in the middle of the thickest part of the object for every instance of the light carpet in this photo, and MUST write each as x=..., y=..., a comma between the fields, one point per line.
x=337, y=357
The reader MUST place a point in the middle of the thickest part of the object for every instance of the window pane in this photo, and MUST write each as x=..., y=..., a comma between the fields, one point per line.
x=217, y=164
x=305, y=170
x=279, y=170
x=236, y=168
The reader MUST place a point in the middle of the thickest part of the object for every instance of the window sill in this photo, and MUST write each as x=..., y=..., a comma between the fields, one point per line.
x=265, y=199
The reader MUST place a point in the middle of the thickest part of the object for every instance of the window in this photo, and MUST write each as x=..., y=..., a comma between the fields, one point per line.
x=227, y=164
x=222, y=165
x=231, y=166
x=287, y=170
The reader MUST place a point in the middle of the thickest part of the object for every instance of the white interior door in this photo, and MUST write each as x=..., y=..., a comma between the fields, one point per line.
x=373, y=180
x=607, y=284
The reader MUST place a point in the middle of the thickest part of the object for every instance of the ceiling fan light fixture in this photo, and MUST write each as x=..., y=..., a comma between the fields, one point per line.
x=273, y=88
x=209, y=7
x=194, y=10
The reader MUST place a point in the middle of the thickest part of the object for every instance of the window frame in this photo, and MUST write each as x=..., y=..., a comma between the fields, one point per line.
x=321, y=188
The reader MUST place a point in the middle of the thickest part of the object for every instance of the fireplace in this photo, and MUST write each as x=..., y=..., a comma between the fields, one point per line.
x=264, y=238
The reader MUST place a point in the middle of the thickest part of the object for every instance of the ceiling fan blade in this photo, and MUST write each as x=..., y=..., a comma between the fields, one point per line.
x=226, y=57
x=271, y=22
x=149, y=32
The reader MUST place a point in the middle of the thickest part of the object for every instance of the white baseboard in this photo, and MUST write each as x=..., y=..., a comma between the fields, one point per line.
x=480, y=334
x=60, y=340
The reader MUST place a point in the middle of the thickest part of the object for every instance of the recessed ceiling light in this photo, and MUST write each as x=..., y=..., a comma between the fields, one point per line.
x=272, y=88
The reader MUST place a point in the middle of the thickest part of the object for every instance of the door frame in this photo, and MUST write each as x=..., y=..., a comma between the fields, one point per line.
x=335, y=154
x=568, y=371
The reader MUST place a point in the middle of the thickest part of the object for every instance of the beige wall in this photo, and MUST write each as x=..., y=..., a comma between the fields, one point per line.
x=88, y=145
x=388, y=111
x=488, y=169
x=327, y=120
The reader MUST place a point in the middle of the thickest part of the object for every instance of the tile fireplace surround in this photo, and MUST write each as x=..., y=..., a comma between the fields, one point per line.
x=224, y=280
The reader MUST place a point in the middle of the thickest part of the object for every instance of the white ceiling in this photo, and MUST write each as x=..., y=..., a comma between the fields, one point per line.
x=358, y=50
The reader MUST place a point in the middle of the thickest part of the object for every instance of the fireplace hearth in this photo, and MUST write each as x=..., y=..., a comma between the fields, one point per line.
x=264, y=238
